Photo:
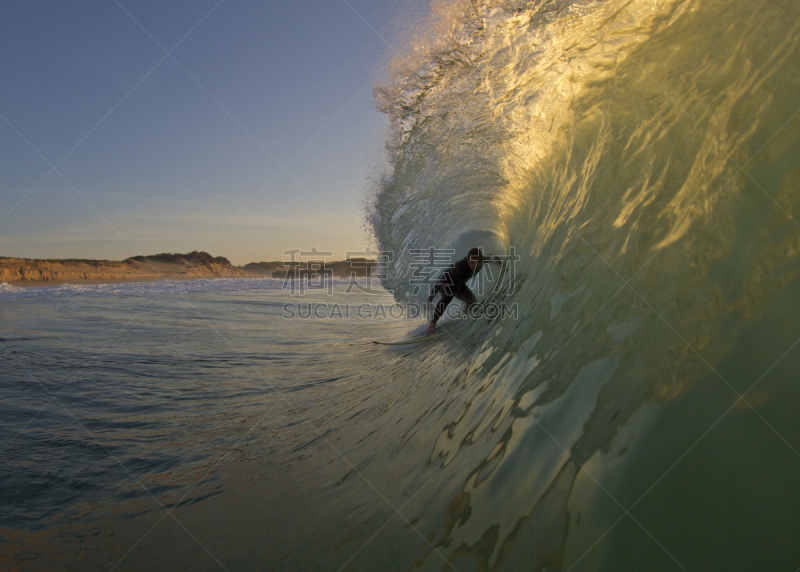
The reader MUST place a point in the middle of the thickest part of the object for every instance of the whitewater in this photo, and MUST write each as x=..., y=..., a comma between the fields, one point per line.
x=637, y=411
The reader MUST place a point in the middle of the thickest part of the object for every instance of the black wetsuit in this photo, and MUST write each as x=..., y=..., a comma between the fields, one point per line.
x=453, y=283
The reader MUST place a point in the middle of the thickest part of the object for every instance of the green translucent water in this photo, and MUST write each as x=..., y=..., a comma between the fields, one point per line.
x=638, y=412
x=644, y=157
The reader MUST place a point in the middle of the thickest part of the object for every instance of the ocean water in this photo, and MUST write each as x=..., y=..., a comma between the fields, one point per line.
x=122, y=401
x=636, y=411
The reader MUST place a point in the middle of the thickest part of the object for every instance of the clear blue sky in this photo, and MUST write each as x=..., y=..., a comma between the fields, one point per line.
x=156, y=152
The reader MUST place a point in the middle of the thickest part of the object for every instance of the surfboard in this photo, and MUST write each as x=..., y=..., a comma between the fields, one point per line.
x=411, y=340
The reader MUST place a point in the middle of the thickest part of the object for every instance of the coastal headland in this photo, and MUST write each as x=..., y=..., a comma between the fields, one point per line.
x=166, y=266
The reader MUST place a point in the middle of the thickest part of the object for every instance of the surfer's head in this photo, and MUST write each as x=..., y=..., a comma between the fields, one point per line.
x=475, y=259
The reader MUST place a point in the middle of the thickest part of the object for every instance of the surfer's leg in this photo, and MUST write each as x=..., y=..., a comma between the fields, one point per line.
x=437, y=313
x=440, y=307
x=436, y=289
x=465, y=295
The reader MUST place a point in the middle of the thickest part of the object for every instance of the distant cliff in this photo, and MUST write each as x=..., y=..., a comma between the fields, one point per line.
x=360, y=267
x=263, y=268
x=165, y=266
x=139, y=268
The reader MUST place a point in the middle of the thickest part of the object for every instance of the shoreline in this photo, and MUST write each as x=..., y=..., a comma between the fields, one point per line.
x=30, y=272
x=91, y=281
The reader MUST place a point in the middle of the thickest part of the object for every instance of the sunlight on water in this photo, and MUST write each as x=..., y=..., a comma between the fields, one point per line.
x=638, y=413
x=643, y=156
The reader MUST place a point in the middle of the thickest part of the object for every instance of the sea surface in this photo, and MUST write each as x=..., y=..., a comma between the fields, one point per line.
x=637, y=162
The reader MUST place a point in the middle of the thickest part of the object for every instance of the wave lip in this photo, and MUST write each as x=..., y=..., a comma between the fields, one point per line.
x=481, y=99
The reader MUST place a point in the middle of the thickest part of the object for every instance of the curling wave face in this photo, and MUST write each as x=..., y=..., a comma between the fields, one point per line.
x=642, y=159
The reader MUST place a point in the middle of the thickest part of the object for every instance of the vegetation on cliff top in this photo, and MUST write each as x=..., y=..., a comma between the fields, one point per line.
x=201, y=257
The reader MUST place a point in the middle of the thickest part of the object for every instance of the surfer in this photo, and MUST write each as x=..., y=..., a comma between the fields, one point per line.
x=453, y=283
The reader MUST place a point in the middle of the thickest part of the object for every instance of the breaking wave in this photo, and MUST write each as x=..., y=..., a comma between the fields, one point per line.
x=642, y=159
